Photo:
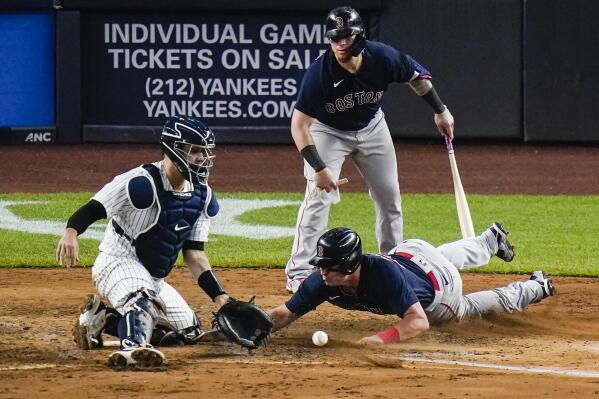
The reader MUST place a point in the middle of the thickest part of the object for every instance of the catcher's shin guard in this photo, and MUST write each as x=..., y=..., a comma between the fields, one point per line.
x=141, y=312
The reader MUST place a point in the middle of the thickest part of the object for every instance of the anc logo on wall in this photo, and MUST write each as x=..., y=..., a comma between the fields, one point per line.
x=39, y=137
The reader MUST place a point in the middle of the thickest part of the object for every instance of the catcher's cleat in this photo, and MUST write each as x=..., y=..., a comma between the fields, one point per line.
x=505, y=249
x=293, y=284
x=144, y=357
x=91, y=322
x=540, y=277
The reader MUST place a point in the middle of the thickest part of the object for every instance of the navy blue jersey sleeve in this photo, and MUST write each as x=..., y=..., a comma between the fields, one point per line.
x=310, y=96
x=311, y=293
x=399, y=294
x=403, y=68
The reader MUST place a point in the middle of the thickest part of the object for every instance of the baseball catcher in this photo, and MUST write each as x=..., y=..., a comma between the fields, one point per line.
x=155, y=212
x=243, y=323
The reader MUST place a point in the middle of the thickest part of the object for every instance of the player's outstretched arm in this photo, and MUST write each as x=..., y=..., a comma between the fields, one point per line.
x=413, y=324
x=199, y=266
x=281, y=317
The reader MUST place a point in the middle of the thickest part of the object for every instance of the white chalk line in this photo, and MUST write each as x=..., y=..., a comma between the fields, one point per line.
x=534, y=370
x=29, y=367
x=415, y=359
x=525, y=369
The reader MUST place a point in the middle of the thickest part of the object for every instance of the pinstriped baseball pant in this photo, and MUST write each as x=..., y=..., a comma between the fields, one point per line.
x=117, y=277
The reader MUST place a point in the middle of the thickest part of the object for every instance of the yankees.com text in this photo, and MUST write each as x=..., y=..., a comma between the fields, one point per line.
x=219, y=108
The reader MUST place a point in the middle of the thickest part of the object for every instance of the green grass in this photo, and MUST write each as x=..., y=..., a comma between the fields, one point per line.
x=554, y=233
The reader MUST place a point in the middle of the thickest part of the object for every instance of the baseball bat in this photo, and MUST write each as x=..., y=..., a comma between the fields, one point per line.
x=461, y=202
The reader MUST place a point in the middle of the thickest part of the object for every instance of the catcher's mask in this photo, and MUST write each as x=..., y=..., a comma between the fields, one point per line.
x=338, y=250
x=343, y=22
x=188, y=143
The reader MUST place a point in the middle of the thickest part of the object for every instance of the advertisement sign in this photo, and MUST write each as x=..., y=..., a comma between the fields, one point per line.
x=233, y=71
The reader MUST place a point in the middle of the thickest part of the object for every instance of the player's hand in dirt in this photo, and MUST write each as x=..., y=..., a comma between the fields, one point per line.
x=325, y=180
x=444, y=122
x=371, y=340
x=67, y=252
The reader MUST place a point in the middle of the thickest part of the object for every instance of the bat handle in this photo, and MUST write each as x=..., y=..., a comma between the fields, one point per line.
x=449, y=144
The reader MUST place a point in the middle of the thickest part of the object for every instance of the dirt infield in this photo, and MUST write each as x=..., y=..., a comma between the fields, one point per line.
x=552, y=350
x=38, y=358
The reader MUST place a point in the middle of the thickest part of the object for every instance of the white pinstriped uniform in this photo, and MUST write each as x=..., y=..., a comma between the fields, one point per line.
x=117, y=271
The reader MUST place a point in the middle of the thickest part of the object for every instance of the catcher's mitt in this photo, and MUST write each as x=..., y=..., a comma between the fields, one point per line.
x=243, y=323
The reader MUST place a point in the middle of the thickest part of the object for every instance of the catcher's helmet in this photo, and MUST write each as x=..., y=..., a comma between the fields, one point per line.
x=188, y=143
x=344, y=22
x=338, y=250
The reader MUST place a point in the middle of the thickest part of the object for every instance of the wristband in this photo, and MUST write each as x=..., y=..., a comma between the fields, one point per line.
x=208, y=282
x=432, y=98
x=311, y=156
x=389, y=335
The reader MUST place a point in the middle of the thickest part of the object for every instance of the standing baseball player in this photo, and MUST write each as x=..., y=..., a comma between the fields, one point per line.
x=416, y=281
x=338, y=115
x=155, y=210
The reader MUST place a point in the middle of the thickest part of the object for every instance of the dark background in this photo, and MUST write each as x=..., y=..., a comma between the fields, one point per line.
x=509, y=70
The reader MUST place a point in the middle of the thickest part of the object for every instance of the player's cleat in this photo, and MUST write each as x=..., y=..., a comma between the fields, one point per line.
x=144, y=357
x=91, y=322
x=540, y=277
x=293, y=284
x=505, y=249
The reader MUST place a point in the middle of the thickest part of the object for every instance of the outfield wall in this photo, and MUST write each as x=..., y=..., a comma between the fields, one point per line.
x=112, y=71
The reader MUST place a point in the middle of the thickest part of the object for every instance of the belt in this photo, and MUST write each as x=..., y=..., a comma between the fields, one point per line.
x=430, y=274
x=119, y=230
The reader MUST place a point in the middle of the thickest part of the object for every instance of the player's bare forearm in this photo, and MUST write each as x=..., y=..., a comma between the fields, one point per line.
x=197, y=262
x=421, y=86
x=281, y=317
x=412, y=325
x=300, y=129
x=199, y=266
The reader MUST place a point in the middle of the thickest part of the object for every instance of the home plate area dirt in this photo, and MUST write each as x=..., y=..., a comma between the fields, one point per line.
x=551, y=350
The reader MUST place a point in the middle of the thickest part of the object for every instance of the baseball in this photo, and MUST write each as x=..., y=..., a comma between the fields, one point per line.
x=320, y=338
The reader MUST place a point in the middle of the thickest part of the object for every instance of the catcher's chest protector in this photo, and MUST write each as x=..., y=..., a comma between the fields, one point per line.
x=157, y=249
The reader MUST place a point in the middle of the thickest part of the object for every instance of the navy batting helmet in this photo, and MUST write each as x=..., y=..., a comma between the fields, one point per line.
x=344, y=22
x=338, y=250
x=188, y=143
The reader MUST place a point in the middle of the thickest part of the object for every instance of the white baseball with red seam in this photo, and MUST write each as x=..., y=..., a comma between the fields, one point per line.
x=320, y=338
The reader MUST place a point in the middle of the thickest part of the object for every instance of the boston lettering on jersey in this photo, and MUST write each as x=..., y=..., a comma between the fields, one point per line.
x=158, y=248
x=347, y=101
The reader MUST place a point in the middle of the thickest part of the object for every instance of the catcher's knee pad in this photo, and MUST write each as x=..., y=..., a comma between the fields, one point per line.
x=142, y=309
